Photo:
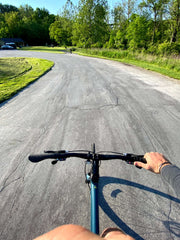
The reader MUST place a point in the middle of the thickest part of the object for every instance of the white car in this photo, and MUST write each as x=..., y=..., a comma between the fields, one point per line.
x=6, y=47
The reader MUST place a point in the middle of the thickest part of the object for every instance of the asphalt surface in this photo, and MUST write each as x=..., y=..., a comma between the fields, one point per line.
x=80, y=101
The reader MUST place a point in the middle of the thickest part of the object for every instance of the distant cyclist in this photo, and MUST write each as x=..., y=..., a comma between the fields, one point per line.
x=156, y=163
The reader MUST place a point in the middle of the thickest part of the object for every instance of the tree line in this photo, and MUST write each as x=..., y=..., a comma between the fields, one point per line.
x=149, y=25
x=26, y=23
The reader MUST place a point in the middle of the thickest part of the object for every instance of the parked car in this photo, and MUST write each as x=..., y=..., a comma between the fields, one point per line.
x=12, y=44
x=6, y=47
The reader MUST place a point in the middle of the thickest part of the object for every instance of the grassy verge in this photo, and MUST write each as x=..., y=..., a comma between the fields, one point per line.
x=44, y=49
x=168, y=66
x=17, y=73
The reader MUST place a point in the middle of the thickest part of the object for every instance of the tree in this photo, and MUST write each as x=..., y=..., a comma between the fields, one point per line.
x=100, y=28
x=155, y=25
x=69, y=10
x=156, y=8
x=120, y=24
x=61, y=31
x=91, y=26
x=128, y=6
x=35, y=25
x=8, y=17
x=40, y=15
x=7, y=8
x=4, y=32
x=137, y=32
x=26, y=11
x=12, y=22
x=32, y=26
x=82, y=31
x=118, y=16
x=174, y=9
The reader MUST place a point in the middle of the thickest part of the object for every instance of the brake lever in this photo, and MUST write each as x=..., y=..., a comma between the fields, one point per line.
x=56, y=152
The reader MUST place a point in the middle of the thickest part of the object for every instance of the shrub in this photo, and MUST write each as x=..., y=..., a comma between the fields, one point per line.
x=152, y=49
x=168, y=48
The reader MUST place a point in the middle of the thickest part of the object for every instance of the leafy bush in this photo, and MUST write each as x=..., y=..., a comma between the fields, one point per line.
x=152, y=49
x=167, y=48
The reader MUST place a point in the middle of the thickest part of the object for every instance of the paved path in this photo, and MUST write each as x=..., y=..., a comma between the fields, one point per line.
x=81, y=101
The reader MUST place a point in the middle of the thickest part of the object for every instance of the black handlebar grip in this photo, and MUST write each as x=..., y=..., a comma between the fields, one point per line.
x=142, y=159
x=38, y=157
x=137, y=158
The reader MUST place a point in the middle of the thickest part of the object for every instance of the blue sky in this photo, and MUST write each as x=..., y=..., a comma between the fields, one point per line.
x=53, y=6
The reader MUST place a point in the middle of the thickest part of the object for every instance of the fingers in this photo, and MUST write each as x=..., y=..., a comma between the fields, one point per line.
x=144, y=165
x=141, y=165
x=118, y=236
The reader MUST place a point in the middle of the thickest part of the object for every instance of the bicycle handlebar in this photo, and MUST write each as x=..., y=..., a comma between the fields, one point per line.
x=62, y=155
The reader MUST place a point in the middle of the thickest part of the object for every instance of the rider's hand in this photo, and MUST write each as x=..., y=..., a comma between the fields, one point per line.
x=155, y=162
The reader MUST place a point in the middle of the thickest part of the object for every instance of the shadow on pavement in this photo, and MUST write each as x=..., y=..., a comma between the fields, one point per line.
x=172, y=226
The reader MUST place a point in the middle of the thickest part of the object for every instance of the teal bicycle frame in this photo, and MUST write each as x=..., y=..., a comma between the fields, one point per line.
x=94, y=208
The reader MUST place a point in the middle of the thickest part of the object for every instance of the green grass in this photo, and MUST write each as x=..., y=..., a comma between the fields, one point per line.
x=44, y=49
x=17, y=73
x=168, y=66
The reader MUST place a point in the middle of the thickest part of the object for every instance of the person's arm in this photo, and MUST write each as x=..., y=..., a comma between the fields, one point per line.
x=171, y=174
x=159, y=164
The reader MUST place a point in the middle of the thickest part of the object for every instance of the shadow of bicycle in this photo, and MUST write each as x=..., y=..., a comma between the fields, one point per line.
x=172, y=226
